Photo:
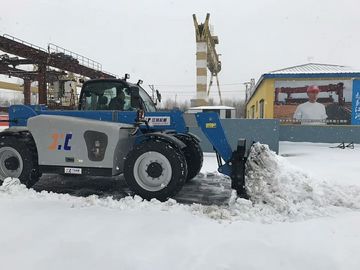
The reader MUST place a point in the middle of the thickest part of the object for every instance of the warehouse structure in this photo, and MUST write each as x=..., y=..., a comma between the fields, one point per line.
x=279, y=94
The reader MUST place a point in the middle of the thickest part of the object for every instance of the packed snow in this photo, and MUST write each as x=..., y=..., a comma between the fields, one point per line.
x=296, y=219
x=276, y=186
x=324, y=163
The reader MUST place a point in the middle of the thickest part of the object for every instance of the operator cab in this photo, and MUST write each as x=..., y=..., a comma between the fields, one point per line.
x=114, y=95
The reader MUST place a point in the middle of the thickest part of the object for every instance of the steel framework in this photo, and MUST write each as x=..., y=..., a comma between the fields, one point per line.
x=56, y=57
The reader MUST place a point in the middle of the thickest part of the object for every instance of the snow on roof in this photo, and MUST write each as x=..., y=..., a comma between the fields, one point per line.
x=311, y=68
x=211, y=108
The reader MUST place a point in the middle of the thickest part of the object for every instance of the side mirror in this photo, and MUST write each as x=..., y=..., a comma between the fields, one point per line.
x=135, y=100
x=158, y=95
x=126, y=77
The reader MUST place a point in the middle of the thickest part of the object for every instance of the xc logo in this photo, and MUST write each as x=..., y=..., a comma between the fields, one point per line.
x=56, y=145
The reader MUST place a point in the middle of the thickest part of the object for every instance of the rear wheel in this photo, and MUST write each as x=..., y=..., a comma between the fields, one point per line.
x=155, y=169
x=193, y=154
x=17, y=160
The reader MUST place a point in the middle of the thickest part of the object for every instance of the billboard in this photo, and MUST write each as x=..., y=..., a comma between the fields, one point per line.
x=355, y=120
x=315, y=102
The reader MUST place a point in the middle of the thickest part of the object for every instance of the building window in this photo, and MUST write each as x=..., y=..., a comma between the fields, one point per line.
x=252, y=114
x=228, y=113
x=262, y=108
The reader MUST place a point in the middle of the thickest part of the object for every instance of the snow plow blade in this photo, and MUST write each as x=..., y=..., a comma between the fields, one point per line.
x=238, y=161
x=255, y=160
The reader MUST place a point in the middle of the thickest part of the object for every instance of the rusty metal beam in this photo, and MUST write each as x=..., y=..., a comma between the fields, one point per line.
x=17, y=62
x=52, y=75
x=39, y=55
x=27, y=92
x=42, y=87
x=26, y=53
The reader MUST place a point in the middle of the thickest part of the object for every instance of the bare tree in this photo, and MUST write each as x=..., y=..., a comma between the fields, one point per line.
x=239, y=106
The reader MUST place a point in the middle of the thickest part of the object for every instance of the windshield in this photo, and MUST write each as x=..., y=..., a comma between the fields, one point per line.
x=112, y=95
x=147, y=101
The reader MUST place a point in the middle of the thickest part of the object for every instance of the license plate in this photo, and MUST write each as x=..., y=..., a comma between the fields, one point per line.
x=159, y=121
x=73, y=170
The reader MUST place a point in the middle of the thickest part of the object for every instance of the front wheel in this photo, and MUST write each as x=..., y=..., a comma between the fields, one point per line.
x=17, y=160
x=155, y=169
x=193, y=154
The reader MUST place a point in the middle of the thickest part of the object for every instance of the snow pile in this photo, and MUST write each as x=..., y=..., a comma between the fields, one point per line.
x=279, y=190
x=10, y=182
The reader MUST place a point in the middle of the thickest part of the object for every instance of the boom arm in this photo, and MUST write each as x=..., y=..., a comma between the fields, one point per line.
x=234, y=160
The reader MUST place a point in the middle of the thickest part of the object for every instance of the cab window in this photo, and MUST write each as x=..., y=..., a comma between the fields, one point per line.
x=106, y=96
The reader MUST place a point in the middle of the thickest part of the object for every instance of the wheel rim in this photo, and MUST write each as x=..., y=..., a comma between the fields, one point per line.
x=147, y=167
x=11, y=164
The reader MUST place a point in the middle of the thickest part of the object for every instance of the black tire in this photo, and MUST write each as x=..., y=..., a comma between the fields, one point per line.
x=168, y=164
x=193, y=154
x=21, y=150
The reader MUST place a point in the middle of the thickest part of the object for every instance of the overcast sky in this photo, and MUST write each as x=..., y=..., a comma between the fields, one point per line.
x=154, y=40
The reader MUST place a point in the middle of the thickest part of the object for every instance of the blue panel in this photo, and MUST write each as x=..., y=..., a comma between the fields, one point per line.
x=210, y=125
x=355, y=116
x=259, y=130
x=23, y=112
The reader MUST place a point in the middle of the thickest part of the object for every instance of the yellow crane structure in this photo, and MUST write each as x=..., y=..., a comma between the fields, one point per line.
x=206, y=58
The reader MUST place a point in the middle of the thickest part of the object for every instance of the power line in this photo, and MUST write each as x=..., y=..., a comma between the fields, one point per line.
x=194, y=85
x=194, y=92
x=173, y=94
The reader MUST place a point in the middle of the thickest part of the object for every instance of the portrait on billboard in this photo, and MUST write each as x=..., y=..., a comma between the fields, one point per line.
x=316, y=102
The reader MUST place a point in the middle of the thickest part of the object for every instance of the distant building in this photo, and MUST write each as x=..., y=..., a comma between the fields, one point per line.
x=223, y=111
x=279, y=94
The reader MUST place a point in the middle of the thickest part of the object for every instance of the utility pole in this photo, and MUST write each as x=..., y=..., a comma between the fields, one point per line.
x=247, y=87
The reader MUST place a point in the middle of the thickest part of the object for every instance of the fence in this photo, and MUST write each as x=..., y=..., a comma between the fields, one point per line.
x=261, y=130
x=270, y=132
x=320, y=134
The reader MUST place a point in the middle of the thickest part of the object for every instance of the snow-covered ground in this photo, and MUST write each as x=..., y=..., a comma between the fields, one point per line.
x=304, y=215
x=330, y=164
